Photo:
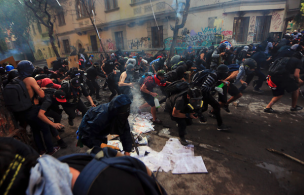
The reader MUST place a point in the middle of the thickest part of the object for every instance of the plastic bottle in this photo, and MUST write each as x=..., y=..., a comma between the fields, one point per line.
x=156, y=102
x=221, y=85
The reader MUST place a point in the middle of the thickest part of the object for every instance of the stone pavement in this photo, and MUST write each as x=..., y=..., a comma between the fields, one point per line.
x=237, y=161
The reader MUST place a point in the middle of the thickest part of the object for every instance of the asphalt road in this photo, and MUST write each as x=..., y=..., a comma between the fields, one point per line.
x=237, y=161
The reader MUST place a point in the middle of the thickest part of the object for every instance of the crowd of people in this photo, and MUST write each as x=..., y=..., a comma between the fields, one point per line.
x=188, y=82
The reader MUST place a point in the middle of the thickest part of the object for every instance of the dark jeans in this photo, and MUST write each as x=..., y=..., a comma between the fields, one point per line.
x=208, y=99
x=70, y=109
x=182, y=125
x=56, y=115
x=259, y=82
x=38, y=126
x=93, y=86
x=113, y=87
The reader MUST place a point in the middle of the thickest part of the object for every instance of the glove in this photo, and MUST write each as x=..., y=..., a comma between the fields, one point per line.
x=219, y=90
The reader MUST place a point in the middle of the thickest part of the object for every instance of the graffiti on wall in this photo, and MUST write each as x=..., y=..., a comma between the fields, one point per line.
x=251, y=30
x=205, y=38
x=276, y=21
x=143, y=42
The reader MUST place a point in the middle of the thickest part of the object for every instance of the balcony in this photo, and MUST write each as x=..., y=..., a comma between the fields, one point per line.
x=138, y=2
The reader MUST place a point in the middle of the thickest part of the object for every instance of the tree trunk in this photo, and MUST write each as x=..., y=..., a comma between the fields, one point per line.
x=53, y=43
x=28, y=44
x=177, y=27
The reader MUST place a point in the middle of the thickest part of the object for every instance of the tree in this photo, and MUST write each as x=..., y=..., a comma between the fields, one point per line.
x=3, y=47
x=43, y=11
x=181, y=10
x=16, y=19
x=299, y=18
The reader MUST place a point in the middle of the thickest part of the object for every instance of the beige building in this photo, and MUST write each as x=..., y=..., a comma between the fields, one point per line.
x=136, y=25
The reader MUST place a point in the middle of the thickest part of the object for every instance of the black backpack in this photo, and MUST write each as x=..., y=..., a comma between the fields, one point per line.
x=16, y=96
x=101, y=160
x=176, y=87
x=278, y=67
x=199, y=77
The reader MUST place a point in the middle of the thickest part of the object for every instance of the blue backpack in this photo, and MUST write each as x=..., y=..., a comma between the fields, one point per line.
x=101, y=160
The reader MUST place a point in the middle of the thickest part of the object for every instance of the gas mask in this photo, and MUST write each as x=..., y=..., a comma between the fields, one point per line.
x=195, y=103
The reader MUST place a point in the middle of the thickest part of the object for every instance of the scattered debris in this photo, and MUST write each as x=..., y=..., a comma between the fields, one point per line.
x=141, y=123
x=288, y=156
x=116, y=143
x=165, y=131
x=174, y=157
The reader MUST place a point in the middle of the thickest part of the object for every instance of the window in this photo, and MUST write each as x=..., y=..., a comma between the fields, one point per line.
x=33, y=28
x=139, y=1
x=157, y=37
x=111, y=4
x=94, y=43
x=82, y=6
x=211, y=22
x=39, y=28
x=240, y=29
x=119, y=40
x=66, y=46
x=262, y=27
x=61, y=20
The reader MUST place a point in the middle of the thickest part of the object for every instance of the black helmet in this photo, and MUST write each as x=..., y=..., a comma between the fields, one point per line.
x=12, y=74
x=222, y=69
x=222, y=46
x=194, y=93
x=251, y=63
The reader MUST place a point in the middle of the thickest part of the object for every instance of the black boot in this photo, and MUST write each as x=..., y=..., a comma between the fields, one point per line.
x=62, y=144
x=183, y=141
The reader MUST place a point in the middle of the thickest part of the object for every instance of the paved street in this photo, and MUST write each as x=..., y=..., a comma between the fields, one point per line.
x=237, y=161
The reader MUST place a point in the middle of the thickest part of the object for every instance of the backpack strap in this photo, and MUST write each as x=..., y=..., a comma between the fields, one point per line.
x=87, y=176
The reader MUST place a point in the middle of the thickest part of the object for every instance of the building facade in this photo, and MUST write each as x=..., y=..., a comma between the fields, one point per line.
x=136, y=25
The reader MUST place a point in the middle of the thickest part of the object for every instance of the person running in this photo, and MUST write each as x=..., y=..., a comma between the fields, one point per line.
x=125, y=82
x=209, y=85
x=280, y=80
x=217, y=56
x=178, y=107
x=147, y=92
x=92, y=74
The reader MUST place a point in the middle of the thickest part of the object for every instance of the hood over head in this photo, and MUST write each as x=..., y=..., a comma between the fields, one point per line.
x=25, y=69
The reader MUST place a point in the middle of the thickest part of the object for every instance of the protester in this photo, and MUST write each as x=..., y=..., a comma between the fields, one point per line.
x=126, y=81
x=180, y=109
x=73, y=91
x=157, y=64
x=108, y=67
x=110, y=118
x=208, y=85
x=280, y=81
x=25, y=70
x=217, y=56
x=147, y=92
x=50, y=108
x=92, y=74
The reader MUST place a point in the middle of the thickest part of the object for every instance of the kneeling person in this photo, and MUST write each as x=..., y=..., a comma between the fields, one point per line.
x=181, y=112
x=109, y=118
